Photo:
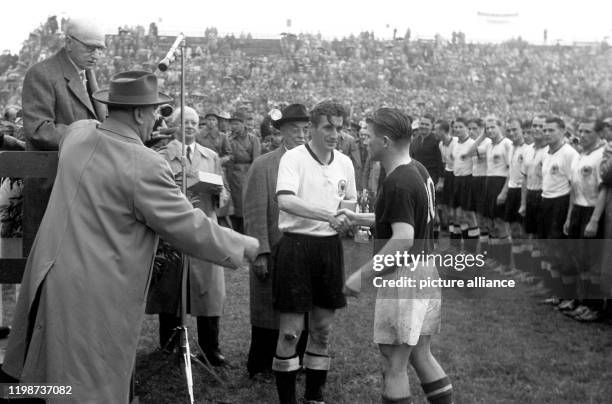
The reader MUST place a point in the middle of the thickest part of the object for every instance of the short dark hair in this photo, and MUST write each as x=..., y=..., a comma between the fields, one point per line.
x=328, y=109
x=601, y=124
x=556, y=120
x=462, y=120
x=512, y=120
x=525, y=125
x=393, y=123
x=443, y=125
x=479, y=122
x=430, y=117
x=495, y=119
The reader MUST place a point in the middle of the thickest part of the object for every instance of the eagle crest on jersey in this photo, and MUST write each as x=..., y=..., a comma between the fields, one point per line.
x=554, y=169
x=587, y=171
x=341, y=187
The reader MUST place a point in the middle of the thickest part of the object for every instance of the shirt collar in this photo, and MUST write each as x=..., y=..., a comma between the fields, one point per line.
x=121, y=129
x=79, y=71
x=314, y=156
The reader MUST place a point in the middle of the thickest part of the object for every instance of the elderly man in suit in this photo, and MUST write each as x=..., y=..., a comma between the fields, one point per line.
x=206, y=280
x=85, y=284
x=57, y=92
x=261, y=222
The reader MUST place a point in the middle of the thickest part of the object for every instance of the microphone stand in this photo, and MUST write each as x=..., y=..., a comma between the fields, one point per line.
x=181, y=331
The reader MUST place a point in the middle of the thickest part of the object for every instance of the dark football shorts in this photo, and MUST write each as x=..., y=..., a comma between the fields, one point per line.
x=493, y=187
x=478, y=193
x=554, y=213
x=586, y=252
x=533, y=213
x=308, y=271
x=462, y=192
x=513, y=204
x=448, y=189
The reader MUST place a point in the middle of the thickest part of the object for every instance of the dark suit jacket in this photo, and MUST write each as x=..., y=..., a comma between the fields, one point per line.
x=348, y=146
x=53, y=97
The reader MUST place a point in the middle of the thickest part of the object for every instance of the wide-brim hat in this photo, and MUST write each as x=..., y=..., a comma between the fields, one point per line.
x=132, y=88
x=211, y=113
x=224, y=115
x=292, y=113
x=239, y=116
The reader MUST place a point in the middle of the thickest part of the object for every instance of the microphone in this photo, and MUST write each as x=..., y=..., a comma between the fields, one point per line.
x=165, y=62
x=166, y=110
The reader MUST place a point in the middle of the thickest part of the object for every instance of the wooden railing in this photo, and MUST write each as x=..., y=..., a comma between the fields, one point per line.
x=23, y=164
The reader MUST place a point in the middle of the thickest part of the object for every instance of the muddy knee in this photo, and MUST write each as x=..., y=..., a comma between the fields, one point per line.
x=319, y=338
x=290, y=337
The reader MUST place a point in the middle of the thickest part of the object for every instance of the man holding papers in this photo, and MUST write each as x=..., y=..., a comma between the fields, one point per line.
x=206, y=191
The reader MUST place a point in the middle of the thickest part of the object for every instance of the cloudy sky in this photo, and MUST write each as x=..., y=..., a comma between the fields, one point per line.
x=584, y=20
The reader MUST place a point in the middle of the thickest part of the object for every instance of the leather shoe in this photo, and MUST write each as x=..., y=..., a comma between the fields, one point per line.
x=215, y=358
x=4, y=332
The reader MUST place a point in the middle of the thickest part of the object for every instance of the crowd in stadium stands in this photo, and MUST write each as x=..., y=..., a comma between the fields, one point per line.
x=440, y=77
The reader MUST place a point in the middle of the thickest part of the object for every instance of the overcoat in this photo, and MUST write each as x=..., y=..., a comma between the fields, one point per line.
x=206, y=280
x=261, y=222
x=53, y=97
x=606, y=260
x=244, y=151
x=85, y=284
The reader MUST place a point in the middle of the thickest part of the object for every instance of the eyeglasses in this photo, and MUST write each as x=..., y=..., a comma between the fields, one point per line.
x=90, y=48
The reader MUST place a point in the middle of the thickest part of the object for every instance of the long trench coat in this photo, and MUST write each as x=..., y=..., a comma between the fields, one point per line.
x=206, y=280
x=261, y=222
x=606, y=267
x=90, y=265
x=244, y=151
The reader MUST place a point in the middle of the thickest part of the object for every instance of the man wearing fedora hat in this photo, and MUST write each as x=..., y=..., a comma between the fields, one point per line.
x=261, y=221
x=57, y=92
x=84, y=288
x=245, y=149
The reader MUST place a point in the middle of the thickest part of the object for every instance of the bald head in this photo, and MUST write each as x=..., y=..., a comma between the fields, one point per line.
x=191, y=123
x=175, y=118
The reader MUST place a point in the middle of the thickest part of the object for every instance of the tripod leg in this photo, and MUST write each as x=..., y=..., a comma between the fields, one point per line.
x=207, y=366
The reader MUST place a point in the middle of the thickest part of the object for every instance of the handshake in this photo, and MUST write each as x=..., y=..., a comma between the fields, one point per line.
x=343, y=220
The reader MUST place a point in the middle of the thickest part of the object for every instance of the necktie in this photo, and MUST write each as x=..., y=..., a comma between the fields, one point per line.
x=83, y=78
x=189, y=154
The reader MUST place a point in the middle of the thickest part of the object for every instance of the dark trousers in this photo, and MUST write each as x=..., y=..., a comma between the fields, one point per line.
x=208, y=331
x=237, y=223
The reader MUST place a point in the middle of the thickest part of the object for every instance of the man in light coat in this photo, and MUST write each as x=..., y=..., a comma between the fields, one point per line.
x=84, y=288
x=206, y=280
